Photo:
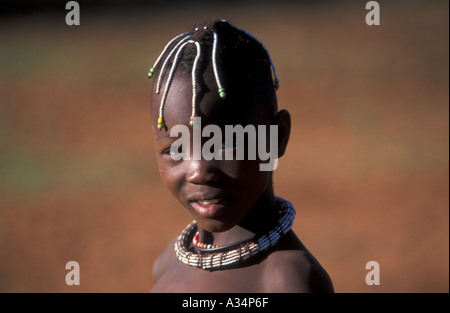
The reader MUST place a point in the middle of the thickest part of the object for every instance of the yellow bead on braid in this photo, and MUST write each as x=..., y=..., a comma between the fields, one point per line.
x=160, y=123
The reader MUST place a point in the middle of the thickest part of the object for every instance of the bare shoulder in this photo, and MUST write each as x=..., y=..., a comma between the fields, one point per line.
x=295, y=270
x=164, y=260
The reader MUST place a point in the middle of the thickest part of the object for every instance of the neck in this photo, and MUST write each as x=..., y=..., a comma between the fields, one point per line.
x=259, y=219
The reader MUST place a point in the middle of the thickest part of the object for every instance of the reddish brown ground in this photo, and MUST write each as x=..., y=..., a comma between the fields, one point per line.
x=366, y=168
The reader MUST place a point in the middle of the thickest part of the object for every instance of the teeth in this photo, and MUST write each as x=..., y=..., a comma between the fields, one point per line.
x=207, y=202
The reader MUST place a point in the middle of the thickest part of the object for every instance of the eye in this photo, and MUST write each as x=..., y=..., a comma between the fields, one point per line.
x=166, y=151
x=176, y=152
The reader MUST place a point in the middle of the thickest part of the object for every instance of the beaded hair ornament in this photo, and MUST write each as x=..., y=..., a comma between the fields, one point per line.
x=176, y=46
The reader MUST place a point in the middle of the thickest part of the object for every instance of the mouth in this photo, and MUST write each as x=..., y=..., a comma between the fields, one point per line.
x=208, y=202
x=209, y=208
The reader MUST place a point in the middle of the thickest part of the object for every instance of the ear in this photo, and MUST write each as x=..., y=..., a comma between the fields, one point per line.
x=283, y=120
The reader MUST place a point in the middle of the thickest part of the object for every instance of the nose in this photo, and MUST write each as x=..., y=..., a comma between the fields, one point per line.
x=202, y=172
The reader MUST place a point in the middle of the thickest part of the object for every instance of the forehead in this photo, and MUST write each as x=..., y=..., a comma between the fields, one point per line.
x=237, y=108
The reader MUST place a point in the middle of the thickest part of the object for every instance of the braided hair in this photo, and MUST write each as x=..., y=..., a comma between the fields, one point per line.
x=238, y=62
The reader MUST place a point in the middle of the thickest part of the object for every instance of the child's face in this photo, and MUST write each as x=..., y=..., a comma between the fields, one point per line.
x=217, y=193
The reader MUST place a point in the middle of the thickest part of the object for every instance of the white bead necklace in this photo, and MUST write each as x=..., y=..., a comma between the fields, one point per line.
x=219, y=260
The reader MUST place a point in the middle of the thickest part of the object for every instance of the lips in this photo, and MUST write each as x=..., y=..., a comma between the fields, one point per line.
x=209, y=208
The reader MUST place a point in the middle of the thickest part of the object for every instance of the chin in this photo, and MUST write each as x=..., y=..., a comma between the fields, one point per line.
x=214, y=225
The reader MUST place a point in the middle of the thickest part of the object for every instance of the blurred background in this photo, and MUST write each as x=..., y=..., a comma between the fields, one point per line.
x=367, y=167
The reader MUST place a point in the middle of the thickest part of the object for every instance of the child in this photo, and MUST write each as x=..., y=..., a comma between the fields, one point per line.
x=240, y=239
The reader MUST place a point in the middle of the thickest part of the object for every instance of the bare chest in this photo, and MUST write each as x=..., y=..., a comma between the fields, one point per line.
x=183, y=278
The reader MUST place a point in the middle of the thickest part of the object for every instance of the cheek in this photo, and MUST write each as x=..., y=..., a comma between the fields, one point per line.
x=246, y=173
x=171, y=176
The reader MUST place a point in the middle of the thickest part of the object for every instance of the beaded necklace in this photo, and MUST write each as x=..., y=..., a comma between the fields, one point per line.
x=200, y=246
x=225, y=257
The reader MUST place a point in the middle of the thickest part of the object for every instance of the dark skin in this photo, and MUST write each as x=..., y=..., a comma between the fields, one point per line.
x=246, y=203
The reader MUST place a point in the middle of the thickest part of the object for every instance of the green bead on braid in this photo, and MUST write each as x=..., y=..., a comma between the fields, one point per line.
x=151, y=72
x=160, y=123
x=222, y=93
x=277, y=84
